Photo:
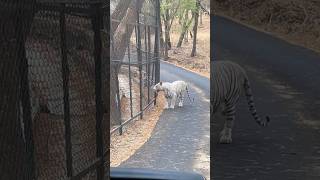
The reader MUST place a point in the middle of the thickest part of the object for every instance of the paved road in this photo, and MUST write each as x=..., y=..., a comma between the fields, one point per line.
x=285, y=81
x=181, y=138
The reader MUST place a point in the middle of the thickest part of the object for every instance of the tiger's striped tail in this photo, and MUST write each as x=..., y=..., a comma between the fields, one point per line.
x=189, y=95
x=251, y=105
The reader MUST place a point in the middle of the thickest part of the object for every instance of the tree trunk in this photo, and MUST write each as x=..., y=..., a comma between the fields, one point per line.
x=13, y=159
x=184, y=32
x=169, y=40
x=182, y=36
x=161, y=40
x=121, y=37
x=195, y=29
x=186, y=37
x=166, y=33
x=119, y=13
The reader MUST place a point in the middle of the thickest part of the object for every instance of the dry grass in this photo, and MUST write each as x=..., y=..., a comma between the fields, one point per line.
x=136, y=134
x=296, y=21
x=181, y=56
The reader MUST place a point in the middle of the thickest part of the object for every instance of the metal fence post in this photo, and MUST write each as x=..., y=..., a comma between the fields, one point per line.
x=65, y=77
x=157, y=42
x=149, y=65
x=139, y=48
x=146, y=44
x=26, y=104
x=96, y=22
x=119, y=104
x=129, y=62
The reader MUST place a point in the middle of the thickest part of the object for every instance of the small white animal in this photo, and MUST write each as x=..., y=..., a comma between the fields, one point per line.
x=172, y=91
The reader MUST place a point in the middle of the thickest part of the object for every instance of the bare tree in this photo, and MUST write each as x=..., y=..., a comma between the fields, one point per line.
x=121, y=35
x=119, y=13
x=167, y=43
x=195, y=29
x=168, y=16
x=184, y=32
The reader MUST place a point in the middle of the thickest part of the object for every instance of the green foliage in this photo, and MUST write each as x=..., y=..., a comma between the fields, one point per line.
x=178, y=6
x=171, y=5
x=183, y=10
x=186, y=7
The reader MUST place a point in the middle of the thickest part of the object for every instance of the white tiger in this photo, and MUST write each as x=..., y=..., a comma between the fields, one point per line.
x=172, y=91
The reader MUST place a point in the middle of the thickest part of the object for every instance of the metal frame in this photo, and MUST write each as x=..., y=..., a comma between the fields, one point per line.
x=25, y=100
x=97, y=25
x=151, y=63
x=94, y=11
x=65, y=77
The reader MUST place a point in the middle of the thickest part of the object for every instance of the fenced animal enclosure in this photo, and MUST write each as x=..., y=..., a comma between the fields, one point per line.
x=54, y=64
x=56, y=78
x=135, y=62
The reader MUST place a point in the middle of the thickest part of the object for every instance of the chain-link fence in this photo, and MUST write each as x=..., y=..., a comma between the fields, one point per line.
x=54, y=64
x=134, y=59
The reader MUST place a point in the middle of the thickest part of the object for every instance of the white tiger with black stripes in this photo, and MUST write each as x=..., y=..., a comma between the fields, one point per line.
x=172, y=91
x=229, y=82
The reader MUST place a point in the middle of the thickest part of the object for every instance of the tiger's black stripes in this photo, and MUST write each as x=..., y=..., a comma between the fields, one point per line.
x=187, y=90
x=251, y=104
x=229, y=81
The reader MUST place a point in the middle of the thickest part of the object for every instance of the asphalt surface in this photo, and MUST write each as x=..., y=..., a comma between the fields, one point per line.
x=181, y=138
x=285, y=82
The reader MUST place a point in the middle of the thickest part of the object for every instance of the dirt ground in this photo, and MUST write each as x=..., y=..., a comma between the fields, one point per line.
x=135, y=134
x=181, y=56
x=296, y=21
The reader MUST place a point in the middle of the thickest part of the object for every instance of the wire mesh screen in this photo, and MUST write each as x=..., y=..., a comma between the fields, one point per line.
x=61, y=102
x=134, y=59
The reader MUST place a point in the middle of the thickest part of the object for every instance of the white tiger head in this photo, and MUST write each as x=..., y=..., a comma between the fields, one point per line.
x=163, y=87
x=158, y=87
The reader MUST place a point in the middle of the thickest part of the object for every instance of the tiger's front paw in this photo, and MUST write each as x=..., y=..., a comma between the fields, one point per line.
x=224, y=139
x=180, y=104
x=225, y=136
x=172, y=107
x=166, y=106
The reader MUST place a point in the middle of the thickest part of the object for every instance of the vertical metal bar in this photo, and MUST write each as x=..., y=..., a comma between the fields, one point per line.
x=157, y=42
x=112, y=40
x=105, y=13
x=130, y=82
x=136, y=33
x=117, y=84
x=147, y=61
x=212, y=56
x=152, y=72
x=27, y=119
x=26, y=106
x=139, y=59
x=96, y=22
x=119, y=103
x=65, y=77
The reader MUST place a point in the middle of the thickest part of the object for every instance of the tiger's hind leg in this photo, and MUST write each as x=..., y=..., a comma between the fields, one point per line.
x=173, y=101
x=180, y=100
x=166, y=103
x=226, y=133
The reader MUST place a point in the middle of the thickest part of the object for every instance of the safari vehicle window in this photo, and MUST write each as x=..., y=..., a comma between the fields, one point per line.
x=160, y=93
